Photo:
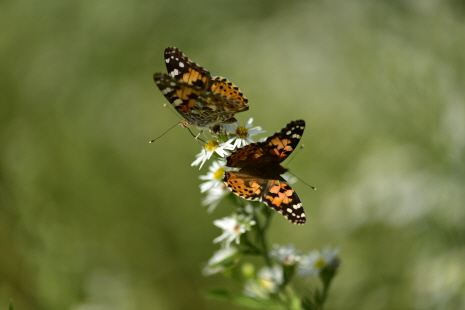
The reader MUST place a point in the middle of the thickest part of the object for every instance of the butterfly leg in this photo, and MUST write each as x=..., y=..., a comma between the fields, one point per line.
x=196, y=137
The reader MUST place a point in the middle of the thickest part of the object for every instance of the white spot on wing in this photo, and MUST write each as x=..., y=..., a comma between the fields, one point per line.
x=166, y=90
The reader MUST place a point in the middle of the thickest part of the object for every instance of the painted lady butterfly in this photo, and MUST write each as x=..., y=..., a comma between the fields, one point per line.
x=259, y=175
x=204, y=101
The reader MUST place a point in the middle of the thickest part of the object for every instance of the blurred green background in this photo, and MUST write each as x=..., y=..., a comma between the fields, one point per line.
x=94, y=217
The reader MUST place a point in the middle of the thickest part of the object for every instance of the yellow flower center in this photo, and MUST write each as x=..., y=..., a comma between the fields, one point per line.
x=320, y=263
x=218, y=174
x=211, y=145
x=237, y=229
x=242, y=132
x=267, y=284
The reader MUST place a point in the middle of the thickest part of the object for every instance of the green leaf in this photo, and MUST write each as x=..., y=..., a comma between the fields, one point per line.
x=246, y=301
x=218, y=294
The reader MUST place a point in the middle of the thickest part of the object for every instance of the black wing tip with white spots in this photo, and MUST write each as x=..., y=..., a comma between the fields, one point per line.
x=291, y=207
x=295, y=214
x=172, y=50
x=295, y=128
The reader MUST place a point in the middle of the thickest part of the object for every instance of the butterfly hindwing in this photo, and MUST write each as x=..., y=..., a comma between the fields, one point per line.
x=276, y=194
x=223, y=86
x=280, y=196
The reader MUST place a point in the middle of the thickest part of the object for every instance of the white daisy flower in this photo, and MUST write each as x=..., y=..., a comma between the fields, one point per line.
x=214, y=196
x=252, y=288
x=221, y=260
x=214, y=177
x=331, y=257
x=233, y=227
x=271, y=278
x=211, y=147
x=311, y=264
x=241, y=135
x=267, y=282
x=286, y=254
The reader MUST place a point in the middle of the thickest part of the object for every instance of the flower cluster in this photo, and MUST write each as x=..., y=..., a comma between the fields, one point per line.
x=244, y=234
x=237, y=136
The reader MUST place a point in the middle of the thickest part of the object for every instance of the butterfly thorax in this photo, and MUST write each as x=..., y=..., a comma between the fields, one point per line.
x=268, y=171
x=184, y=123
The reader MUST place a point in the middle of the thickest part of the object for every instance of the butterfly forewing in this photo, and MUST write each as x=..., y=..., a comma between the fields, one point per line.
x=274, y=149
x=182, y=68
x=284, y=142
x=181, y=95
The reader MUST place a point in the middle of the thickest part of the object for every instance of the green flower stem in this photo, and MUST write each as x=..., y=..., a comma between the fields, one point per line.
x=261, y=233
x=252, y=249
x=326, y=277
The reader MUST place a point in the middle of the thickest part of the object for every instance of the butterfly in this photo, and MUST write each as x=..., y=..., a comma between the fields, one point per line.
x=202, y=100
x=259, y=177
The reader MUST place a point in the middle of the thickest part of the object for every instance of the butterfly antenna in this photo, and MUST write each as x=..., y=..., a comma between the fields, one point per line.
x=164, y=133
x=294, y=153
x=312, y=187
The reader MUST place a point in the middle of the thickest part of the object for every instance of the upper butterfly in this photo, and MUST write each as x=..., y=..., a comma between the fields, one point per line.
x=204, y=101
x=259, y=177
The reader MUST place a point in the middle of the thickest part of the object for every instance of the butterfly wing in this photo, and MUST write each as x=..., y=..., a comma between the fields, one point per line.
x=182, y=68
x=200, y=108
x=223, y=86
x=276, y=194
x=273, y=150
x=182, y=96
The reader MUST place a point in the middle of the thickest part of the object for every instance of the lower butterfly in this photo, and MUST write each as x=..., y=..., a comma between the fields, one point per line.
x=259, y=177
